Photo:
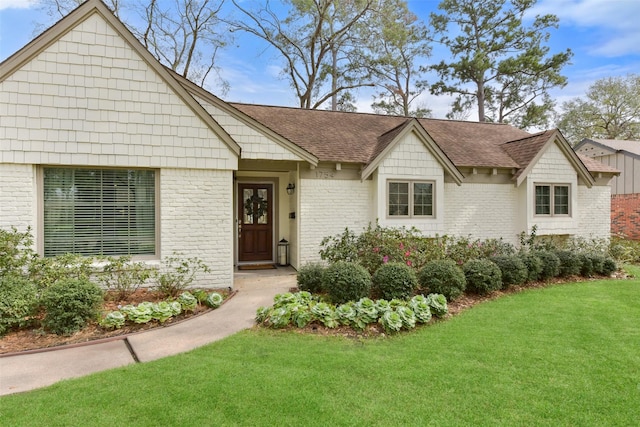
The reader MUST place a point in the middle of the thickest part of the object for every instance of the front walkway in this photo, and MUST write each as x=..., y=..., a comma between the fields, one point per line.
x=25, y=372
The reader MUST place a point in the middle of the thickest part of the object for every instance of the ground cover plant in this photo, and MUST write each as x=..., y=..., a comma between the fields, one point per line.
x=561, y=355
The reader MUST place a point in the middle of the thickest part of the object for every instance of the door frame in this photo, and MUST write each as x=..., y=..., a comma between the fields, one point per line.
x=274, y=182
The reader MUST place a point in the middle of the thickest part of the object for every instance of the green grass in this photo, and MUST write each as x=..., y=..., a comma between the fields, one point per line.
x=564, y=355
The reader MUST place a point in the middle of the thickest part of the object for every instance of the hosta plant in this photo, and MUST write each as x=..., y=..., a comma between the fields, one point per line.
x=391, y=321
x=187, y=301
x=115, y=319
x=420, y=306
x=408, y=317
x=214, y=300
x=438, y=304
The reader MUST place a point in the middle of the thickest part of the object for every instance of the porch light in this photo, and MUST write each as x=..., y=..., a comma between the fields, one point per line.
x=283, y=253
x=291, y=188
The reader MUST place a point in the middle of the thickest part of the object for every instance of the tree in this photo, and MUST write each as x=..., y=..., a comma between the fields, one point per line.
x=184, y=35
x=611, y=110
x=318, y=41
x=398, y=42
x=497, y=63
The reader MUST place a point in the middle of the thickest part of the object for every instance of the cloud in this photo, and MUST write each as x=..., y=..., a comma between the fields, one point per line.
x=613, y=22
x=17, y=4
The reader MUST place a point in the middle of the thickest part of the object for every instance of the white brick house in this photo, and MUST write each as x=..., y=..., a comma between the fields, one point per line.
x=104, y=150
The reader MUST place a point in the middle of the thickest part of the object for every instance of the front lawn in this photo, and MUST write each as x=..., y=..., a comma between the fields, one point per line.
x=563, y=355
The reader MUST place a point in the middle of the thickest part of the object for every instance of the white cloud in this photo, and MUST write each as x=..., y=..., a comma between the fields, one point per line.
x=613, y=21
x=17, y=4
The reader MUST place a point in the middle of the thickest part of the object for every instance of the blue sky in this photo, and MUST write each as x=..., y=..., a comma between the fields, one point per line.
x=603, y=34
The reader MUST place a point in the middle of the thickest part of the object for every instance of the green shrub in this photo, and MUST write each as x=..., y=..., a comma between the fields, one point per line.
x=15, y=251
x=587, y=268
x=310, y=277
x=483, y=276
x=570, y=263
x=608, y=267
x=123, y=276
x=18, y=302
x=45, y=272
x=534, y=265
x=442, y=276
x=394, y=280
x=512, y=268
x=346, y=281
x=69, y=304
x=176, y=273
x=550, y=264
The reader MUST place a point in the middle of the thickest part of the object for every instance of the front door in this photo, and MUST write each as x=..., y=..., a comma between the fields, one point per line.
x=255, y=218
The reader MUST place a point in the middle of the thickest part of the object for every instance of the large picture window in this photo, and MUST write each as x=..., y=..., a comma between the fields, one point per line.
x=410, y=199
x=99, y=211
x=552, y=199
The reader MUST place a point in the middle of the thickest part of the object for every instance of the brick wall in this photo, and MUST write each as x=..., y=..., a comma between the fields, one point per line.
x=17, y=196
x=625, y=215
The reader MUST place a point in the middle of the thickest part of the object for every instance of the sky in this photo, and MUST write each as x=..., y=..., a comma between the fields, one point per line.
x=604, y=36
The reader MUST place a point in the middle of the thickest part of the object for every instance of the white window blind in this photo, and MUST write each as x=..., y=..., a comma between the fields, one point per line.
x=99, y=211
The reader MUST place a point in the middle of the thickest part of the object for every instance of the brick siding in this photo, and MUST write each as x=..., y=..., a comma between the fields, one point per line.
x=625, y=215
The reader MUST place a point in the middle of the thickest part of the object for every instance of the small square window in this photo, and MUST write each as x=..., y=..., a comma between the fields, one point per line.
x=552, y=199
x=410, y=199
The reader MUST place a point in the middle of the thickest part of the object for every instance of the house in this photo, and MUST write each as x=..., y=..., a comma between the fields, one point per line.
x=625, y=189
x=104, y=150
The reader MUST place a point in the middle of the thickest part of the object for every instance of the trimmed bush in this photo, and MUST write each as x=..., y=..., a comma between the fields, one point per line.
x=513, y=270
x=346, y=281
x=444, y=277
x=550, y=264
x=533, y=264
x=608, y=267
x=394, y=280
x=310, y=277
x=69, y=304
x=587, y=268
x=570, y=263
x=18, y=302
x=483, y=276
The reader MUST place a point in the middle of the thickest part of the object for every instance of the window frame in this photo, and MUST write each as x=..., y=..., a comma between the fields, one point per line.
x=41, y=207
x=411, y=183
x=552, y=199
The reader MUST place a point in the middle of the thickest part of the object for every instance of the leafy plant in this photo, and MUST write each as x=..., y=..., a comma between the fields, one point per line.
x=394, y=280
x=69, y=304
x=187, y=301
x=177, y=272
x=123, y=276
x=214, y=300
x=45, y=272
x=442, y=276
x=325, y=314
x=164, y=310
x=570, y=263
x=438, y=304
x=16, y=251
x=310, y=277
x=18, y=302
x=407, y=316
x=113, y=320
x=420, y=306
x=391, y=321
x=483, y=276
x=533, y=264
x=141, y=313
x=550, y=264
x=346, y=281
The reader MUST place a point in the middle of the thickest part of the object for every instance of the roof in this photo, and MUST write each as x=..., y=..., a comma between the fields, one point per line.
x=615, y=145
x=596, y=166
x=335, y=136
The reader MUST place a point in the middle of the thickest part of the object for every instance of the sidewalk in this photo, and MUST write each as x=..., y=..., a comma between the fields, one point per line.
x=254, y=289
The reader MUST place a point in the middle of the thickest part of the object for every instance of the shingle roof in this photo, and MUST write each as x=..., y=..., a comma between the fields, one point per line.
x=596, y=166
x=359, y=138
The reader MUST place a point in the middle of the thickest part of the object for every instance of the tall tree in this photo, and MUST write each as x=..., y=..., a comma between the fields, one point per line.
x=318, y=43
x=184, y=35
x=399, y=41
x=498, y=63
x=611, y=110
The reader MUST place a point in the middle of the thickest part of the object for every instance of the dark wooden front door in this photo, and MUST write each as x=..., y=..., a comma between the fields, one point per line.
x=255, y=222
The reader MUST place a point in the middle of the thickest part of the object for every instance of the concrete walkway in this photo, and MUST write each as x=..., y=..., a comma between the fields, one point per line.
x=25, y=372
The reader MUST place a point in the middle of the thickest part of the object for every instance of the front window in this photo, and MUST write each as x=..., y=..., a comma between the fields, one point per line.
x=552, y=199
x=99, y=211
x=410, y=199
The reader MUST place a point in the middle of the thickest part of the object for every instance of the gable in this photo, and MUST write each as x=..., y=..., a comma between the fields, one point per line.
x=83, y=94
x=553, y=166
x=410, y=158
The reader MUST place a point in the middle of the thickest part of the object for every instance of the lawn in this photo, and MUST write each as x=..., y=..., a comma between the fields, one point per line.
x=563, y=355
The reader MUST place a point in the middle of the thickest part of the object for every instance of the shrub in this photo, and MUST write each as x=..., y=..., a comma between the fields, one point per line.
x=45, y=272
x=570, y=263
x=534, y=265
x=15, y=251
x=124, y=277
x=394, y=280
x=69, y=304
x=18, y=302
x=550, y=264
x=587, y=269
x=512, y=269
x=310, y=277
x=608, y=267
x=346, y=281
x=483, y=276
x=177, y=273
x=442, y=277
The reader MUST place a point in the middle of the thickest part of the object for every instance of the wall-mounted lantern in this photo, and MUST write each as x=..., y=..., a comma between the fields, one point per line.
x=283, y=253
x=291, y=188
